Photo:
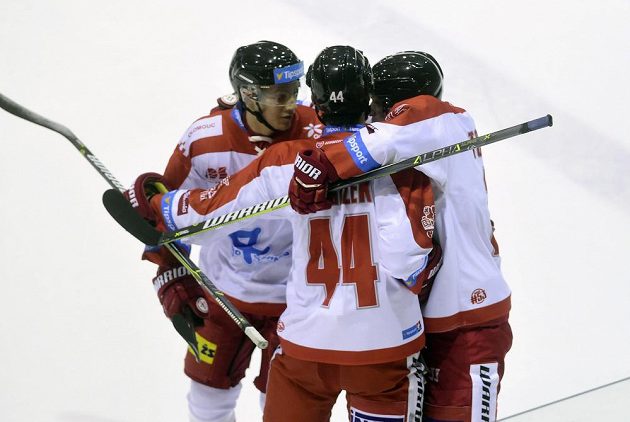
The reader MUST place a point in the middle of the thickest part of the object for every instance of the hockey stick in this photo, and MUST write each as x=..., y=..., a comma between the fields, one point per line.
x=184, y=326
x=120, y=209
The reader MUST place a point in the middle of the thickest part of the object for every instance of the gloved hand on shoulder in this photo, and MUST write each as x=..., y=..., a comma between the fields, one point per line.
x=308, y=189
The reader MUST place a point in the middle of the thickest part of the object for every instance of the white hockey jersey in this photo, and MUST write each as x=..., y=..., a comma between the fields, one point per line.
x=351, y=294
x=469, y=288
x=251, y=264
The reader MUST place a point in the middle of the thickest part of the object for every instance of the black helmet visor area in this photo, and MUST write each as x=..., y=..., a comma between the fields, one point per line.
x=281, y=95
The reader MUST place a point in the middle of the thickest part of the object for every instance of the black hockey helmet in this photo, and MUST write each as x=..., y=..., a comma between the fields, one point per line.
x=341, y=82
x=264, y=64
x=406, y=74
x=267, y=73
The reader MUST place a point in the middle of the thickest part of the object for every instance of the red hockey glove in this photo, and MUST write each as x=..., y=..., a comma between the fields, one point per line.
x=309, y=186
x=140, y=195
x=175, y=287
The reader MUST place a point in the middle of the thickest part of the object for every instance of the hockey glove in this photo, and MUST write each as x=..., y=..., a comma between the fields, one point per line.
x=177, y=290
x=144, y=187
x=308, y=190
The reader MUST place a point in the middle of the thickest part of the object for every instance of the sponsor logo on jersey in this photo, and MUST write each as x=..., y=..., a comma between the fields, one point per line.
x=397, y=111
x=167, y=201
x=313, y=130
x=478, y=296
x=213, y=174
x=338, y=129
x=182, y=206
x=412, y=280
x=359, y=153
x=207, y=349
x=357, y=415
x=320, y=144
x=412, y=331
x=204, y=195
x=283, y=75
x=202, y=128
x=243, y=242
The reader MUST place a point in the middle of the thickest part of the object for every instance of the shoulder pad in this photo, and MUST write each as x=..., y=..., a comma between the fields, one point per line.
x=227, y=101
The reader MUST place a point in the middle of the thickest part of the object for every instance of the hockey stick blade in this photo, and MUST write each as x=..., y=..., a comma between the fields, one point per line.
x=186, y=329
x=274, y=204
x=23, y=113
x=122, y=211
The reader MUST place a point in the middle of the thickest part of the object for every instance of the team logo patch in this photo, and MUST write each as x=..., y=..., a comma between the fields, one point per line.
x=213, y=174
x=228, y=101
x=397, y=111
x=313, y=130
x=202, y=305
x=478, y=296
x=361, y=416
x=207, y=349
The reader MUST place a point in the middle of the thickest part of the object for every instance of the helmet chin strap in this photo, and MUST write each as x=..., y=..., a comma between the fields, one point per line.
x=258, y=115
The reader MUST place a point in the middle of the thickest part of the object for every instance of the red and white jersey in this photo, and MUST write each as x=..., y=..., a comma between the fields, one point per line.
x=251, y=264
x=351, y=295
x=469, y=288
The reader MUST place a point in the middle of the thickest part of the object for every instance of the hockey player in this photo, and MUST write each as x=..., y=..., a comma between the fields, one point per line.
x=466, y=314
x=353, y=318
x=251, y=264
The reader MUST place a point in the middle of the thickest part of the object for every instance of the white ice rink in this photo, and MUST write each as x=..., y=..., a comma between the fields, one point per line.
x=82, y=335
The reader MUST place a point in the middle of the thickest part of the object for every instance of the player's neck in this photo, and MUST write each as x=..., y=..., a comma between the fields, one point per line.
x=255, y=126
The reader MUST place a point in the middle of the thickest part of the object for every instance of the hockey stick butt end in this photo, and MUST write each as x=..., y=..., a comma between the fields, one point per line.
x=256, y=337
x=540, y=123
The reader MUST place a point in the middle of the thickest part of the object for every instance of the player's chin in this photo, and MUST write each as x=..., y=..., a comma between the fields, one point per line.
x=283, y=123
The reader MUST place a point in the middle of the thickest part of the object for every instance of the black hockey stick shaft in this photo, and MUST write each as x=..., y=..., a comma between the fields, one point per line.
x=447, y=151
x=124, y=214
x=183, y=325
